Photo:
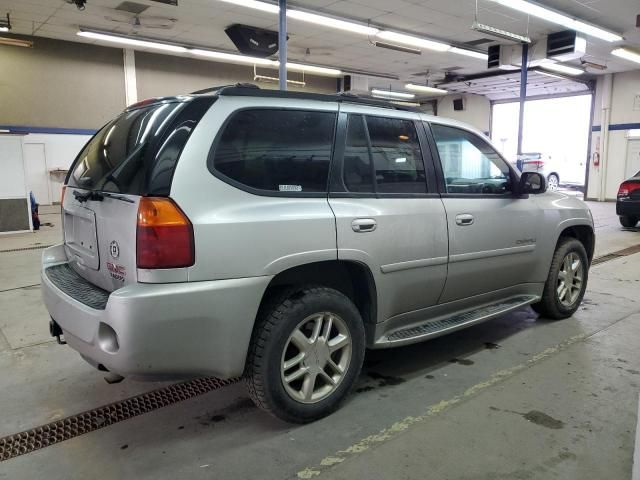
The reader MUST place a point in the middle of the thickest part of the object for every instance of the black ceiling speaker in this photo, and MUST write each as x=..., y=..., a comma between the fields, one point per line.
x=253, y=41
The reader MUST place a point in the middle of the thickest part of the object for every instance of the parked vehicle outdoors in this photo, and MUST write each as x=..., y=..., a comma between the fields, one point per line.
x=628, y=203
x=543, y=164
x=276, y=236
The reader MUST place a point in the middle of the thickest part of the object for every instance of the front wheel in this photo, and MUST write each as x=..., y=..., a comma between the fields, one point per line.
x=553, y=182
x=306, y=353
x=566, y=282
x=628, y=221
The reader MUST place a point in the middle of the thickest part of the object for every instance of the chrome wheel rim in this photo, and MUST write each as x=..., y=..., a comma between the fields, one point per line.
x=552, y=182
x=570, y=279
x=316, y=357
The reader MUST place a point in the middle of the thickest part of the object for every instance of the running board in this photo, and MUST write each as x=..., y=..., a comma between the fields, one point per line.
x=438, y=327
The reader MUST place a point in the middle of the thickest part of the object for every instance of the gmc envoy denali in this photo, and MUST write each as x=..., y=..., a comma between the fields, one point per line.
x=276, y=236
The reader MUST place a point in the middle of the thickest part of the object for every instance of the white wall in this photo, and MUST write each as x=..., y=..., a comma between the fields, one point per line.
x=625, y=87
x=477, y=110
x=12, y=181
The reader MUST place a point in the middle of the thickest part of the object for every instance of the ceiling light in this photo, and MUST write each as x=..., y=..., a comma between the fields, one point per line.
x=263, y=6
x=398, y=48
x=469, y=53
x=107, y=37
x=5, y=25
x=299, y=67
x=498, y=32
x=232, y=57
x=557, y=67
x=268, y=79
x=391, y=94
x=424, y=89
x=413, y=41
x=553, y=16
x=332, y=22
x=627, y=54
x=16, y=42
x=4, y=29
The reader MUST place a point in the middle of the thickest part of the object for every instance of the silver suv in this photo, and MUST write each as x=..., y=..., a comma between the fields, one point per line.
x=276, y=236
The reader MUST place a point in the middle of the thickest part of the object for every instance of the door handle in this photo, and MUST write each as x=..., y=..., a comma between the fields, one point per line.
x=363, y=225
x=464, y=219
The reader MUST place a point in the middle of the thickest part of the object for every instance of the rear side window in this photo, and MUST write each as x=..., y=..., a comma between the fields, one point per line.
x=285, y=151
x=137, y=152
x=382, y=155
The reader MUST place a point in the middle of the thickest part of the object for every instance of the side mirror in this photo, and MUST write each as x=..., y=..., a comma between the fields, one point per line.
x=532, y=183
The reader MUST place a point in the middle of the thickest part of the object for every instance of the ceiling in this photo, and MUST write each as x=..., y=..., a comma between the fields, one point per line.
x=202, y=23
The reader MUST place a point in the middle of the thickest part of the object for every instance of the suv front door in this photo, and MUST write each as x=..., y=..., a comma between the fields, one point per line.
x=492, y=233
x=388, y=213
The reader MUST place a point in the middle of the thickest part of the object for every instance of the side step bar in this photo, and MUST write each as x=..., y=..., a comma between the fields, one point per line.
x=444, y=325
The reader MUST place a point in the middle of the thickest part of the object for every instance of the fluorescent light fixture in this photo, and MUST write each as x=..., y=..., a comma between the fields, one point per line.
x=233, y=58
x=557, y=67
x=300, y=67
x=4, y=29
x=16, y=42
x=266, y=78
x=391, y=94
x=413, y=41
x=498, y=32
x=332, y=22
x=553, y=16
x=627, y=54
x=398, y=48
x=106, y=37
x=425, y=89
x=263, y=6
x=469, y=53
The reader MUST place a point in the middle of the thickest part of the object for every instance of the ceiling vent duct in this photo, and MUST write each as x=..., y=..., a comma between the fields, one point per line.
x=253, y=41
x=566, y=45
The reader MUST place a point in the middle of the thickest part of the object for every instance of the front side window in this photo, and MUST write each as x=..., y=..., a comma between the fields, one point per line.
x=277, y=150
x=383, y=155
x=469, y=164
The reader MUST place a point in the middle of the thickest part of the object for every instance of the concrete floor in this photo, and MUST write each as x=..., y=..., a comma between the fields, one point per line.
x=518, y=397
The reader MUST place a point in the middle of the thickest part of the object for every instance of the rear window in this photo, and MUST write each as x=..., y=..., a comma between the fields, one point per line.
x=137, y=152
x=286, y=151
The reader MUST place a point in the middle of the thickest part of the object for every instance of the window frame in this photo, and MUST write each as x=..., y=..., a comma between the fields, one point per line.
x=270, y=193
x=338, y=189
x=442, y=187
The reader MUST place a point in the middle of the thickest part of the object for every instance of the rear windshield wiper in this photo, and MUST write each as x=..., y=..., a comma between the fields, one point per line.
x=99, y=196
x=116, y=197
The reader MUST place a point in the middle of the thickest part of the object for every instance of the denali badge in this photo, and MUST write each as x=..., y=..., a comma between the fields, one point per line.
x=114, y=249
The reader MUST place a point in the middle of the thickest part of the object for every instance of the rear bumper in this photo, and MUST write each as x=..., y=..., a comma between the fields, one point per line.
x=166, y=330
x=628, y=207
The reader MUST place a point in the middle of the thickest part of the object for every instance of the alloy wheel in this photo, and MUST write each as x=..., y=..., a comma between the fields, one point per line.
x=570, y=279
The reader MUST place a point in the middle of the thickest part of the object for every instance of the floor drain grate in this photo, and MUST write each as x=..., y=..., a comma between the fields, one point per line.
x=38, y=247
x=76, y=425
x=617, y=254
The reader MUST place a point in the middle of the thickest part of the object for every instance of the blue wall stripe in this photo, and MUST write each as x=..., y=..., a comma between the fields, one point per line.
x=617, y=126
x=66, y=131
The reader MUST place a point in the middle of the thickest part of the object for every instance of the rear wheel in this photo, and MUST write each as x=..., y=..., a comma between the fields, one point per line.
x=566, y=282
x=306, y=354
x=628, y=221
x=553, y=182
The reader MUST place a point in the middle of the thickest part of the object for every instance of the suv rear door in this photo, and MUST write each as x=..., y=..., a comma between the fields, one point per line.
x=388, y=215
x=131, y=156
x=492, y=233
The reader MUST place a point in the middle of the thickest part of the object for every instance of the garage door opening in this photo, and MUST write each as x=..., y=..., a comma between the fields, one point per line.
x=555, y=137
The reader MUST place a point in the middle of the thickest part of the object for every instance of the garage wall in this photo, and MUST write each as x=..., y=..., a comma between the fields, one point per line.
x=162, y=75
x=624, y=116
x=60, y=84
x=477, y=110
x=14, y=208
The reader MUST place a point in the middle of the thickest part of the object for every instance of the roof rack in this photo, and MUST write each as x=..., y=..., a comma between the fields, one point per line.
x=252, y=90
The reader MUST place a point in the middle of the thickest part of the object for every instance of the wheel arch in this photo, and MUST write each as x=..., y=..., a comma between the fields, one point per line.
x=582, y=233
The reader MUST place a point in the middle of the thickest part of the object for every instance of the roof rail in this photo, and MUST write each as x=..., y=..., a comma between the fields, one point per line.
x=252, y=90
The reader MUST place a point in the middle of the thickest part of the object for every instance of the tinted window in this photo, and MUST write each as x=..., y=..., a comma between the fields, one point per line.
x=396, y=156
x=357, y=172
x=118, y=158
x=470, y=165
x=277, y=150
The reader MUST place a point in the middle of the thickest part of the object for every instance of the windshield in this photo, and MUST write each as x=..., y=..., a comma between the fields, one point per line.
x=115, y=159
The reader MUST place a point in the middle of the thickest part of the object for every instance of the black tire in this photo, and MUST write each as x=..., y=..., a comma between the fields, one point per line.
x=275, y=323
x=550, y=305
x=628, y=221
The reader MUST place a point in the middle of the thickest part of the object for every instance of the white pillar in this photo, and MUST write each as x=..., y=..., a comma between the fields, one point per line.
x=130, y=85
x=605, y=119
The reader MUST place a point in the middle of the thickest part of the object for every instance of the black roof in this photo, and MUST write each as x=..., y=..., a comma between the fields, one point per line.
x=251, y=90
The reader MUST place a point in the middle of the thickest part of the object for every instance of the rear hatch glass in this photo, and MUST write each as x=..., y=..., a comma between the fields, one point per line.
x=131, y=156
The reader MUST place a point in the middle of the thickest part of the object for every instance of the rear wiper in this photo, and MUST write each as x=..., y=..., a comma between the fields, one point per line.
x=91, y=195
x=117, y=197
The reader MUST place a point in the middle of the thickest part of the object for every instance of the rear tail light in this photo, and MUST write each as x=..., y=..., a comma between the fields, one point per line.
x=164, y=235
x=537, y=164
x=627, y=188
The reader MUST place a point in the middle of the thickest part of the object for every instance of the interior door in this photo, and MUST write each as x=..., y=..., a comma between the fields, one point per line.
x=35, y=166
x=388, y=215
x=492, y=234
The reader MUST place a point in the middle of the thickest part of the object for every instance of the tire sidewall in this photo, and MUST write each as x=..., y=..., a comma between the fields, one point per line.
x=576, y=247
x=328, y=301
